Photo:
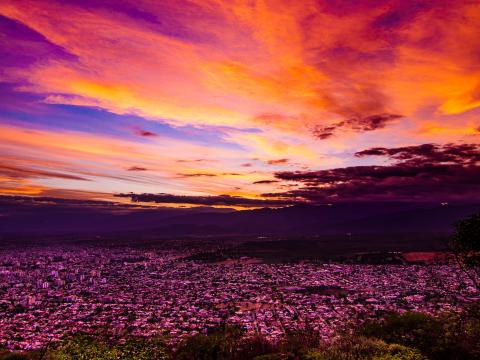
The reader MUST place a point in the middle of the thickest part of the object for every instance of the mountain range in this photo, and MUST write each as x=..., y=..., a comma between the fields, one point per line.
x=56, y=218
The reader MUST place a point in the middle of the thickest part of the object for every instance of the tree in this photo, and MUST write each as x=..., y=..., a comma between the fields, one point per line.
x=465, y=244
x=449, y=336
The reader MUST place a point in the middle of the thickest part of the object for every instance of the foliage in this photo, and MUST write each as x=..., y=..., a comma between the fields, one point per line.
x=299, y=342
x=15, y=356
x=269, y=357
x=466, y=245
x=449, y=337
x=219, y=344
x=359, y=348
x=256, y=346
x=467, y=237
x=85, y=347
x=144, y=349
x=467, y=331
x=18, y=355
x=225, y=343
x=202, y=347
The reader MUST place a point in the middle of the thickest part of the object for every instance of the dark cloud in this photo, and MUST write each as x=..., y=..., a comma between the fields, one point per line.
x=18, y=172
x=372, y=122
x=427, y=172
x=324, y=132
x=197, y=175
x=225, y=200
x=446, y=154
x=246, y=164
x=400, y=14
x=266, y=182
x=145, y=133
x=423, y=172
x=277, y=162
x=17, y=199
x=137, y=168
x=356, y=123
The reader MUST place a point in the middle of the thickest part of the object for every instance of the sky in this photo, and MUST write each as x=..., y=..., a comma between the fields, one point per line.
x=240, y=103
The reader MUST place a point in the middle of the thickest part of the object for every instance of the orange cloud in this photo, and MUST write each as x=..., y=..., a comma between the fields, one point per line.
x=267, y=75
x=298, y=60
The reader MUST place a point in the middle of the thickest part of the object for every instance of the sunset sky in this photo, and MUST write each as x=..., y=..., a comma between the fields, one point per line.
x=241, y=103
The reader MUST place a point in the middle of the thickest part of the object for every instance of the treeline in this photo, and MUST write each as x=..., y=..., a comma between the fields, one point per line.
x=409, y=336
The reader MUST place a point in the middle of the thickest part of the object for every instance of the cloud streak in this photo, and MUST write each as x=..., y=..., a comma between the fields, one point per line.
x=277, y=162
x=219, y=200
x=20, y=172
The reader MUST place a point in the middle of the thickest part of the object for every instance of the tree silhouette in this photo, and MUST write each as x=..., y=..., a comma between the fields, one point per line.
x=465, y=244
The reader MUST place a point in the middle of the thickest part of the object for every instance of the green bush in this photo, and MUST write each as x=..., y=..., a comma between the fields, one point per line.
x=255, y=347
x=269, y=357
x=143, y=349
x=361, y=348
x=85, y=347
x=226, y=343
x=299, y=342
x=202, y=347
x=220, y=344
x=411, y=329
x=447, y=337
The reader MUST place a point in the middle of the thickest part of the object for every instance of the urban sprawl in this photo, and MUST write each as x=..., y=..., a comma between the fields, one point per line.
x=46, y=293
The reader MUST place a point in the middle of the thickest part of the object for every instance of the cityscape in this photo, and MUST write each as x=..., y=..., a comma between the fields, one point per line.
x=47, y=293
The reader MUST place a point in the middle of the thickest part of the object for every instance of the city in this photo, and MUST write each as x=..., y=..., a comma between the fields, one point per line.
x=47, y=293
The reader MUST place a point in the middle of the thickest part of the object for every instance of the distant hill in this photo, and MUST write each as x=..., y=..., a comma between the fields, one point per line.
x=57, y=217
x=29, y=217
